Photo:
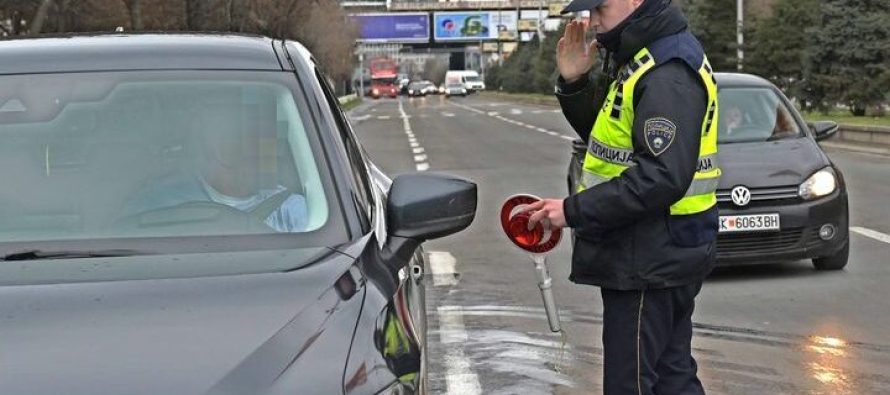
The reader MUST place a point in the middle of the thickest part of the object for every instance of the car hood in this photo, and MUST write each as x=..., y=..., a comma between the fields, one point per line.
x=228, y=334
x=769, y=164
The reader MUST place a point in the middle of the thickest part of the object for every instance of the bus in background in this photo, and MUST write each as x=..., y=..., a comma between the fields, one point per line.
x=384, y=72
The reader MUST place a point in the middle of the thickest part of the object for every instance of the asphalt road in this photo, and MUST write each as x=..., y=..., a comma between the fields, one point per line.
x=776, y=329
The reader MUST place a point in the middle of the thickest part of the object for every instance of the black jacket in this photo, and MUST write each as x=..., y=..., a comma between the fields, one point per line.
x=625, y=237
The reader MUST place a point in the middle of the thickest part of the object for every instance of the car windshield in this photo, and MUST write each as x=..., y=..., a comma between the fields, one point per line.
x=156, y=155
x=754, y=114
x=472, y=78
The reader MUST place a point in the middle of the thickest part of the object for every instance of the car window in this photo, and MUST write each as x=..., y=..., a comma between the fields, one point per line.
x=156, y=154
x=359, y=171
x=754, y=114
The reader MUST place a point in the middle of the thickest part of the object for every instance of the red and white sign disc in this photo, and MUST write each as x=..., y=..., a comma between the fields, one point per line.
x=540, y=240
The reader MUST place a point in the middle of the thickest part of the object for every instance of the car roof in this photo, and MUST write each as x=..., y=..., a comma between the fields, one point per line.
x=741, y=79
x=141, y=51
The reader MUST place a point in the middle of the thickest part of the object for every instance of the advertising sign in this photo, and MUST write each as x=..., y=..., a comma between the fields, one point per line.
x=527, y=25
x=555, y=8
x=393, y=28
x=474, y=26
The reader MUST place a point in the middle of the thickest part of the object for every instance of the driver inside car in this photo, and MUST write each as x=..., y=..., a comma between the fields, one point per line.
x=233, y=166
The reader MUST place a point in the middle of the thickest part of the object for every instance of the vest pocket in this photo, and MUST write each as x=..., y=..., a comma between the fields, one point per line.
x=693, y=230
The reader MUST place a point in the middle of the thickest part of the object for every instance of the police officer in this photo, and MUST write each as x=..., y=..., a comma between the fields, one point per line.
x=644, y=215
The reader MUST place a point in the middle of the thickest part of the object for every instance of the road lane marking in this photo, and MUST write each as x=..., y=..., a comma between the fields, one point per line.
x=361, y=118
x=872, y=234
x=447, y=114
x=515, y=111
x=442, y=264
x=383, y=117
x=421, y=161
x=459, y=376
x=496, y=115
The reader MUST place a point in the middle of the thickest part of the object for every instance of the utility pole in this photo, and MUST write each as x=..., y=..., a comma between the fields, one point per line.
x=740, y=24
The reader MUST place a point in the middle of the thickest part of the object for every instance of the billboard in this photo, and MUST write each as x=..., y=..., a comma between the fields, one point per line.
x=393, y=28
x=475, y=26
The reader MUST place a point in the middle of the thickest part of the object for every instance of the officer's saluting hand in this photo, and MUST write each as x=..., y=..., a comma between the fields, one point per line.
x=644, y=213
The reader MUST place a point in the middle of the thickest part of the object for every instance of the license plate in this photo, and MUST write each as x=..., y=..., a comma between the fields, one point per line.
x=749, y=223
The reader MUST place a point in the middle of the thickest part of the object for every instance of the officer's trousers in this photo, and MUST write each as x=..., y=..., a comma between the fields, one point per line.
x=646, y=342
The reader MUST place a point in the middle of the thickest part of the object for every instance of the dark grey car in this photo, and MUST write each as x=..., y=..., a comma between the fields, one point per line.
x=191, y=214
x=780, y=197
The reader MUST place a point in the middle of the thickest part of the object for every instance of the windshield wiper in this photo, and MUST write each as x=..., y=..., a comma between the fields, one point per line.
x=31, y=255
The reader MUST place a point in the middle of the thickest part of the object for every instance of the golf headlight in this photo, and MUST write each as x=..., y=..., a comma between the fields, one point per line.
x=463, y=90
x=821, y=183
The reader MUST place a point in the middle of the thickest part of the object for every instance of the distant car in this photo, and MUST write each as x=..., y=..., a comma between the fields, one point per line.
x=455, y=89
x=780, y=197
x=420, y=88
x=192, y=214
x=468, y=78
x=429, y=88
x=442, y=89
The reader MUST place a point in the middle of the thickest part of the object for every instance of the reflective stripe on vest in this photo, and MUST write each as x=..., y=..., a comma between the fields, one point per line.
x=610, y=148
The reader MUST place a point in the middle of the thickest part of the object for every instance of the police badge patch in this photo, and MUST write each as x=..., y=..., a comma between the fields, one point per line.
x=659, y=134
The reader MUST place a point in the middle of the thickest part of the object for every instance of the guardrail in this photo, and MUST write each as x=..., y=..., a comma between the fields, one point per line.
x=347, y=98
x=870, y=135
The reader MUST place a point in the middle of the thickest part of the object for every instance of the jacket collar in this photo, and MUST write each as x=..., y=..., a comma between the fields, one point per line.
x=653, y=20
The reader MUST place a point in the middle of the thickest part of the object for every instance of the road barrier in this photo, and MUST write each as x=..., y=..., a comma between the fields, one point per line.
x=347, y=98
x=869, y=135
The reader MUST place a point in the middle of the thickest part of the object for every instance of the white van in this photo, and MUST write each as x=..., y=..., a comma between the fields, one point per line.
x=469, y=78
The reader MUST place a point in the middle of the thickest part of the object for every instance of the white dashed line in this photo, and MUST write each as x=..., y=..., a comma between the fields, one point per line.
x=442, y=264
x=447, y=114
x=459, y=375
x=569, y=138
x=515, y=111
x=421, y=163
x=872, y=234
x=361, y=118
x=532, y=127
x=383, y=117
x=552, y=133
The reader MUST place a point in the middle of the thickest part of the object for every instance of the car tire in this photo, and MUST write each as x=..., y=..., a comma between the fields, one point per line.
x=833, y=262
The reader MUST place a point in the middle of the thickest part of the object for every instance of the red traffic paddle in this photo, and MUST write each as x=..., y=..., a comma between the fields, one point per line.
x=538, y=241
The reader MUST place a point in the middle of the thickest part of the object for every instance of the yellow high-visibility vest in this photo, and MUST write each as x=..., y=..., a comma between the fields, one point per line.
x=610, y=148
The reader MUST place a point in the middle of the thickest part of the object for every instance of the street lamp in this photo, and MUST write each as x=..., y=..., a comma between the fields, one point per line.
x=740, y=19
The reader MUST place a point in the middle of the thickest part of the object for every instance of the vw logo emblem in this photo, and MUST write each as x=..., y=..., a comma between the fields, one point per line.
x=741, y=196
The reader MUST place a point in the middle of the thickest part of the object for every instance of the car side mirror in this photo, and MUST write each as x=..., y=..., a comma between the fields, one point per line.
x=424, y=206
x=824, y=129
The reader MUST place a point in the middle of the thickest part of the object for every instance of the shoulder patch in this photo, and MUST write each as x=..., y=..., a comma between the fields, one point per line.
x=659, y=133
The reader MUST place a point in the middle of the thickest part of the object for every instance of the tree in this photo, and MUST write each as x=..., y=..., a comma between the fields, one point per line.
x=514, y=76
x=777, y=49
x=849, y=54
x=545, y=71
x=714, y=23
